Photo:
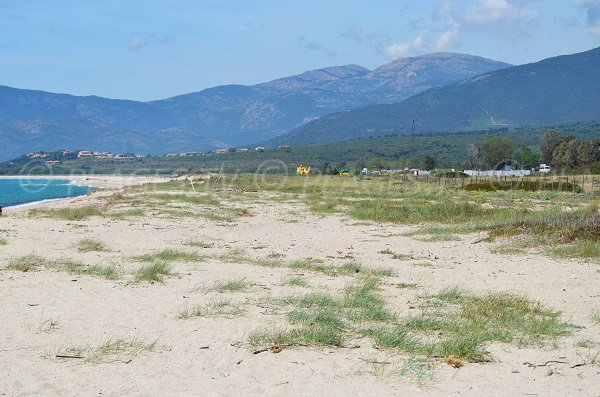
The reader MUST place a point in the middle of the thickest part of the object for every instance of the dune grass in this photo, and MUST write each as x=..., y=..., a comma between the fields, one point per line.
x=27, y=263
x=295, y=281
x=3, y=241
x=214, y=308
x=452, y=323
x=91, y=245
x=154, y=272
x=578, y=250
x=456, y=323
x=237, y=285
x=69, y=213
x=320, y=319
x=76, y=267
x=110, y=350
x=33, y=262
x=171, y=255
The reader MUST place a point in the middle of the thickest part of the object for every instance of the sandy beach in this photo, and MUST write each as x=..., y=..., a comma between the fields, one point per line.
x=44, y=311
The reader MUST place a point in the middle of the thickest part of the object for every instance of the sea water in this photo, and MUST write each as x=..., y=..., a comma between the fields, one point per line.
x=28, y=190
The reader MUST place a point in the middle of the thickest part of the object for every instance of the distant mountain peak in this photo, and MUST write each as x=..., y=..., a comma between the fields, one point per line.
x=227, y=115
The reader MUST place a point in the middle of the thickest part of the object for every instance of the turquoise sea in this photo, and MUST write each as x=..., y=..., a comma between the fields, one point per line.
x=26, y=190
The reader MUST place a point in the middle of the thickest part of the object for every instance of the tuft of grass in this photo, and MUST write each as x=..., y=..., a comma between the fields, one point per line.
x=130, y=213
x=27, y=263
x=596, y=318
x=312, y=265
x=199, y=244
x=91, y=245
x=354, y=268
x=3, y=241
x=460, y=325
x=153, y=273
x=214, y=308
x=437, y=237
x=295, y=282
x=33, y=262
x=110, y=350
x=424, y=264
x=363, y=304
x=70, y=214
x=452, y=294
x=229, y=286
x=582, y=250
x=171, y=255
x=45, y=325
x=406, y=285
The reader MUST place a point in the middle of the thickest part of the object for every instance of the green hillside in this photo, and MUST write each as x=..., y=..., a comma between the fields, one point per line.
x=449, y=151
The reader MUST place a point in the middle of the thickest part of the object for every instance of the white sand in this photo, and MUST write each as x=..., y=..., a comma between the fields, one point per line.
x=90, y=310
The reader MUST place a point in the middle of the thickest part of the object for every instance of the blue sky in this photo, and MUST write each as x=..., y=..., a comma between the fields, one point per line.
x=154, y=49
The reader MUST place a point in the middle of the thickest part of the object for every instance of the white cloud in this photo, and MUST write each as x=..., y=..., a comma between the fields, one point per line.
x=591, y=8
x=447, y=39
x=502, y=12
x=425, y=43
x=136, y=42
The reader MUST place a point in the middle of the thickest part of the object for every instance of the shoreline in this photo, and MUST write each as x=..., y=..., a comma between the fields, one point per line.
x=99, y=184
x=97, y=181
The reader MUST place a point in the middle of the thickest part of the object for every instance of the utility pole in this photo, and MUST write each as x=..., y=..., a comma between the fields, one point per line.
x=412, y=138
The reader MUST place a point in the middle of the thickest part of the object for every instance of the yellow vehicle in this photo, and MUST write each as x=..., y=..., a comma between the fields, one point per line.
x=302, y=170
x=344, y=173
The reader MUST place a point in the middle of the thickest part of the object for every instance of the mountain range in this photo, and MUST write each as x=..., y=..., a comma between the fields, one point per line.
x=554, y=91
x=230, y=115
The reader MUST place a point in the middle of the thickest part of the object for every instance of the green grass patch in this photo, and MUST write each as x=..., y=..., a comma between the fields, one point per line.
x=228, y=286
x=125, y=214
x=295, y=282
x=91, y=245
x=312, y=265
x=68, y=213
x=27, y=263
x=355, y=268
x=110, y=350
x=153, y=273
x=33, y=262
x=76, y=267
x=171, y=255
x=214, y=308
x=455, y=323
x=583, y=250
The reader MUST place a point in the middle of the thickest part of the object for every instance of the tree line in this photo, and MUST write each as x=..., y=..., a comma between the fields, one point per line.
x=561, y=152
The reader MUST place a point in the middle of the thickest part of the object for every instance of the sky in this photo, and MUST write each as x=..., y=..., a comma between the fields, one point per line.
x=154, y=49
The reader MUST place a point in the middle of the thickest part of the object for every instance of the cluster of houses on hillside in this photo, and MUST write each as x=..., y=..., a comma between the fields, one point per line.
x=60, y=155
x=106, y=155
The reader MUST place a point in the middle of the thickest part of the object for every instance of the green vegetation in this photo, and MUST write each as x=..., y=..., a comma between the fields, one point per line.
x=110, y=350
x=214, y=308
x=229, y=286
x=91, y=245
x=27, y=263
x=324, y=320
x=454, y=323
x=34, y=262
x=449, y=150
x=69, y=213
x=3, y=241
x=153, y=273
x=295, y=282
x=171, y=255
